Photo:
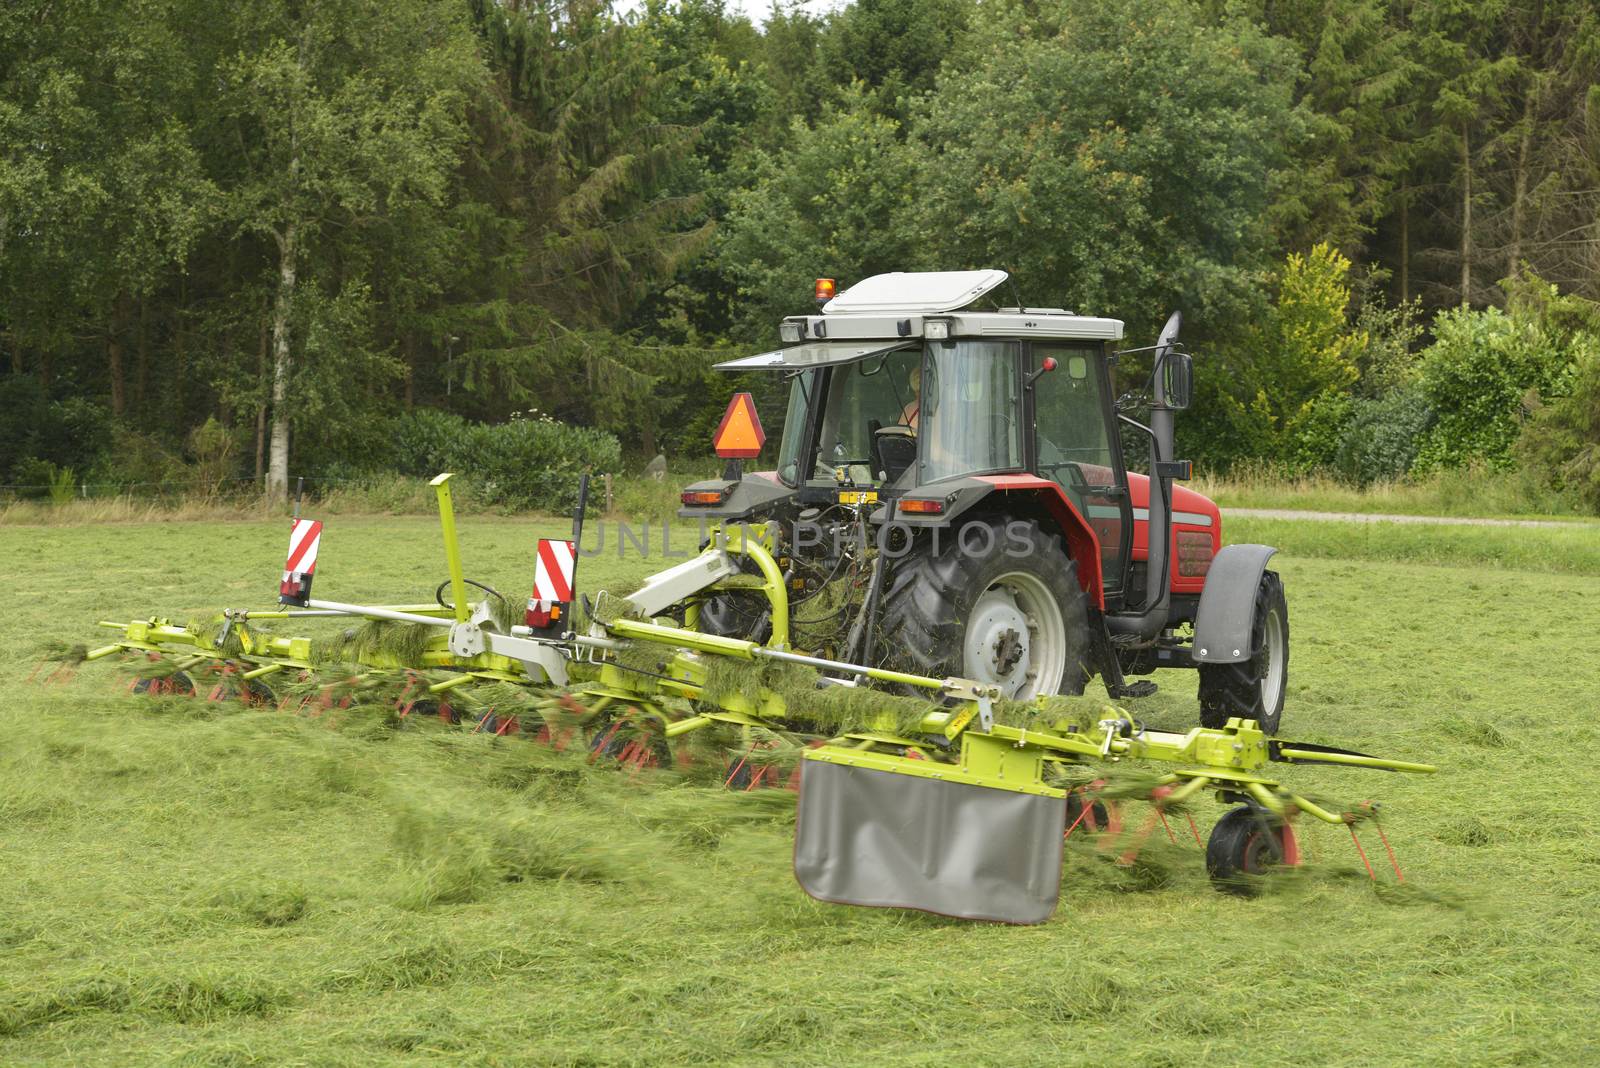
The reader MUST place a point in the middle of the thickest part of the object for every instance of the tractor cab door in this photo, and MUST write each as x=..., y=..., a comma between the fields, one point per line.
x=1074, y=446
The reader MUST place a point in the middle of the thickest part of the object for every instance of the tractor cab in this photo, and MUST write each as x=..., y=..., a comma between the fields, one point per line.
x=1014, y=547
x=897, y=392
x=931, y=413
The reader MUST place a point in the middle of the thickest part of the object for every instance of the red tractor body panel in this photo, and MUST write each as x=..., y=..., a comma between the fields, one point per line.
x=1196, y=530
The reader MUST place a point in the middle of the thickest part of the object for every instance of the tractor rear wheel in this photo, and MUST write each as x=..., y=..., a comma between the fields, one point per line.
x=998, y=603
x=1254, y=687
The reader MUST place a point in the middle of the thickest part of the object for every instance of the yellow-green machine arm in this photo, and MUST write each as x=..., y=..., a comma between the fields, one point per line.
x=936, y=795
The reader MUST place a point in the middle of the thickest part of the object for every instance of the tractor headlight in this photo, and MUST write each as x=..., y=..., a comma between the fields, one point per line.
x=791, y=333
x=936, y=329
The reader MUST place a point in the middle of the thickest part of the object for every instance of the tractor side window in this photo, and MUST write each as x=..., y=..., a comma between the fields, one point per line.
x=1074, y=446
x=968, y=410
x=801, y=391
x=863, y=396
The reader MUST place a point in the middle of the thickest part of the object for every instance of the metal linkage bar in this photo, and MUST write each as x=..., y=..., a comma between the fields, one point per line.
x=749, y=650
x=452, y=550
x=374, y=612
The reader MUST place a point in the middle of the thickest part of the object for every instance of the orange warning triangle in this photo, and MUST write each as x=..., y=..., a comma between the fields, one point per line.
x=740, y=436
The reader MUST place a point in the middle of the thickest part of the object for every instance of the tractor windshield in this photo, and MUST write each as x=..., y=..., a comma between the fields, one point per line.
x=953, y=404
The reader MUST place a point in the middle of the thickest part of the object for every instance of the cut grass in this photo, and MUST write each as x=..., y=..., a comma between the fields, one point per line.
x=196, y=884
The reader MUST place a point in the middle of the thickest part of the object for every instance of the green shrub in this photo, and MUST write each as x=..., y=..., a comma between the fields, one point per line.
x=530, y=462
x=33, y=477
x=1382, y=435
x=1279, y=390
x=535, y=462
x=1315, y=433
x=1478, y=376
x=67, y=433
x=22, y=403
x=426, y=441
x=64, y=486
x=1561, y=443
x=137, y=460
x=212, y=448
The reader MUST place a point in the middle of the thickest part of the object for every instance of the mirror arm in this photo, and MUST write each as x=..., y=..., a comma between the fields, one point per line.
x=1136, y=424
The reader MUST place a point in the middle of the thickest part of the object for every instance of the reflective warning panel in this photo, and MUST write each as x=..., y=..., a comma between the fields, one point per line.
x=305, y=535
x=740, y=436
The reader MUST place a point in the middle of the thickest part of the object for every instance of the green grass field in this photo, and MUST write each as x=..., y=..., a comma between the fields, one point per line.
x=190, y=883
x=1473, y=491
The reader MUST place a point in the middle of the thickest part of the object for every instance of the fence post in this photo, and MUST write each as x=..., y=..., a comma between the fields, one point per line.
x=607, y=478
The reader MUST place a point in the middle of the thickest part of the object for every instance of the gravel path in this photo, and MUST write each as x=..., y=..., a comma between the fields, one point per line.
x=1365, y=517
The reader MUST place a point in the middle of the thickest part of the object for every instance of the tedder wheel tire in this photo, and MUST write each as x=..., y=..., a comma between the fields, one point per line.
x=1245, y=845
x=736, y=615
x=1001, y=606
x=1253, y=688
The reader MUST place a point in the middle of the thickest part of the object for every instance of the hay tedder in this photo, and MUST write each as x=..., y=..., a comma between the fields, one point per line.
x=899, y=621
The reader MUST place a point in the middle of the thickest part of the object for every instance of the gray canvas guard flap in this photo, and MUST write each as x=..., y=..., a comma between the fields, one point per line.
x=867, y=837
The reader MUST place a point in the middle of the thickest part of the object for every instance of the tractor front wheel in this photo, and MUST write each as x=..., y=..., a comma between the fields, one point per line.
x=1253, y=688
x=992, y=601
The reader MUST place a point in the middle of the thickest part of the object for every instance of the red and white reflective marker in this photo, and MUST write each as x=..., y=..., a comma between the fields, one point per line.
x=304, y=537
x=552, y=582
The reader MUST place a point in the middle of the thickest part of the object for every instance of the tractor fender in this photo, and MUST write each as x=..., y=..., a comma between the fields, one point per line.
x=963, y=495
x=1226, y=615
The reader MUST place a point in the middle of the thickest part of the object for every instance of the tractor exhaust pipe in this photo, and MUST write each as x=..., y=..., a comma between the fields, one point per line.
x=1163, y=420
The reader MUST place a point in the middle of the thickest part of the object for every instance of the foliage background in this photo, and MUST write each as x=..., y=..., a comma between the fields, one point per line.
x=301, y=225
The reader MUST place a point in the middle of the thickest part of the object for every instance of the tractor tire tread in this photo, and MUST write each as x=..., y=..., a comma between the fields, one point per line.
x=921, y=619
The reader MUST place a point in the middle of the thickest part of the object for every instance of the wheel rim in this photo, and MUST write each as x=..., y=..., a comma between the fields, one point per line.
x=1016, y=639
x=1273, y=656
x=1261, y=853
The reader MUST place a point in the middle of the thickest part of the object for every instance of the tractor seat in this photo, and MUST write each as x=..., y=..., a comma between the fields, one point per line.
x=895, y=450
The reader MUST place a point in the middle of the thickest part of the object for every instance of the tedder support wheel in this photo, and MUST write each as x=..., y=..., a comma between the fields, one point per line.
x=996, y=603
x=1253, y=688
x=1246, y=844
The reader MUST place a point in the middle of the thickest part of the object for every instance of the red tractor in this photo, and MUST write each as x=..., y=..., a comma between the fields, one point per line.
x=959, y=475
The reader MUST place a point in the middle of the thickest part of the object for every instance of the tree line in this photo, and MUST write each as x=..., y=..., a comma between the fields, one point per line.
x=262, y=238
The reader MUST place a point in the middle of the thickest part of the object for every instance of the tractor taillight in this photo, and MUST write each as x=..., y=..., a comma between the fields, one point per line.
x=921, y=506
x=702, y=498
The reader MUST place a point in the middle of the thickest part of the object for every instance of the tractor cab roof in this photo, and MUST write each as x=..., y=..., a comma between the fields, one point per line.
x=899, y=309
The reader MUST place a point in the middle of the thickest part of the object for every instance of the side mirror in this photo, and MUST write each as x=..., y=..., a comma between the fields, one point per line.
x=1178, y=369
